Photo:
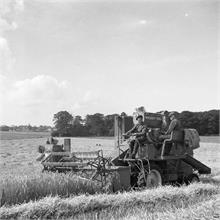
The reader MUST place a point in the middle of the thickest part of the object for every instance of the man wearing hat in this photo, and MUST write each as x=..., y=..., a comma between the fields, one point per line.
x=175, y=125
x=139, y=132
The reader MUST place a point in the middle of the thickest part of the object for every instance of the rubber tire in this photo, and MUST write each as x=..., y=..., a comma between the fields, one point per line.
x=192, y=178
x=151, y=182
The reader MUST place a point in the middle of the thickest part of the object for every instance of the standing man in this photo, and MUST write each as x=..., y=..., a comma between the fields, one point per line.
x=139, y=133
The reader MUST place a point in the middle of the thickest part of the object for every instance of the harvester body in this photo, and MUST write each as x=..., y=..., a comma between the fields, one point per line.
x=157, y=162
x=160, y=162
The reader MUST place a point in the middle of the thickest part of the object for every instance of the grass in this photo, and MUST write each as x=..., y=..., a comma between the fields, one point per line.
x=18, y=157
x=114, y=206
x=16, y=189
x=209, y=210
x=23, y=181
x=210, y=139
x=16, y=135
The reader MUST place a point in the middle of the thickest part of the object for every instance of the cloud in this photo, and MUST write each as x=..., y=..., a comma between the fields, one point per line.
x=36, y=99
x=9, y=6
x=137, y=23
x=45, y=89
x=89, y=96
x=3, y=85
x=181, y=59
x=6, y=58
x=6, y=26
x=41, y=89
x=19, y=5
x=7, y=9
x=143, y=21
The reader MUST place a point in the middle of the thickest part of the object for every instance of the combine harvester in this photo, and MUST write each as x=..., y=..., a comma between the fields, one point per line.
x=152, y=167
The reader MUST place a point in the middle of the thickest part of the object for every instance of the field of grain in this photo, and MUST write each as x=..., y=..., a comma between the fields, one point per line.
x=18, y=163
x=15, y=135
x=18, y=156
x=210, y=139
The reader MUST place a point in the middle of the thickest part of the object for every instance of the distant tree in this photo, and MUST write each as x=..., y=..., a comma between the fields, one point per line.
x=128, y=123
x=77, y=120
x=95, y=124
x=185, y=118
x=123, y=114
x=63, y=121
x=109, y=124
x=213, y=122
x=206, y=123
x=29, y=127
x=55, y=133
x=4, y=128
x=34, y=128
x=78, y=128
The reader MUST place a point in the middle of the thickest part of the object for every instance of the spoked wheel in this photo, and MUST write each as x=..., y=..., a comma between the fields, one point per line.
x=193, y=178
x=154, y=179
x=151, y=179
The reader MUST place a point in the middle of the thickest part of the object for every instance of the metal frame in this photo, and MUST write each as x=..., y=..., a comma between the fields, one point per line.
x=119, y=129
x=96, y=167
x=140, y=165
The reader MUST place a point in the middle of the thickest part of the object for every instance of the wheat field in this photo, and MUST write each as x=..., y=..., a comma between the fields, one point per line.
x=54, y=196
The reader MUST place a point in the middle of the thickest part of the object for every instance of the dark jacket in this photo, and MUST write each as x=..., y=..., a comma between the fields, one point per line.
x=175, y=125
x=139, y=129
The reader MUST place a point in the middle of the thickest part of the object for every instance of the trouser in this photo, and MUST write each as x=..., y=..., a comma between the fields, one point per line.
x=134, y=146
x=164, y=136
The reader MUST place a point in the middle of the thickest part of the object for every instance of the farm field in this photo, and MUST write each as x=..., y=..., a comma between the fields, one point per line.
x=18, y=156
x=210, y=139
x=197, y=201
x=18, y=152
x=12, y=135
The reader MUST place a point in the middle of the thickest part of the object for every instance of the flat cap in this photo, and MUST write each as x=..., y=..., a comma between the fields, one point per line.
x=172, y=113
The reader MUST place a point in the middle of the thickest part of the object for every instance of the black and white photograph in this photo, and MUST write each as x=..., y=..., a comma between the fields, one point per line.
x=109, y=109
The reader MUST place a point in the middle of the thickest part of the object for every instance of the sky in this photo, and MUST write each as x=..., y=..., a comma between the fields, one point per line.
x=106, y=56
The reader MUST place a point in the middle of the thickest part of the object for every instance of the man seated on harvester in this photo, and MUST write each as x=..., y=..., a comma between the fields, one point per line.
x=139, y=134
x=175, y=125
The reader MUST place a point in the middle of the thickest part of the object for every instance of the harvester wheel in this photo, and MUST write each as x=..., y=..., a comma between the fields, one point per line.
x=152, y=179
x=193, y=178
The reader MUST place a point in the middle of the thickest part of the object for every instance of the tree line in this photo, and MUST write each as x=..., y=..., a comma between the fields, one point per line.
x=206, y=123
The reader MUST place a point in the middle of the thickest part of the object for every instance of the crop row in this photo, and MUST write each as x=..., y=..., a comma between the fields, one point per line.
x=117, y=205
x=20, y=189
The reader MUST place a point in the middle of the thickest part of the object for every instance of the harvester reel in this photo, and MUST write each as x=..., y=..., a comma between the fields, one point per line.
x=100, y=172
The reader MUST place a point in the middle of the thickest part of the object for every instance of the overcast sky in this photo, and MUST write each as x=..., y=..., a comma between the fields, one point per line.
x=106, y=56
